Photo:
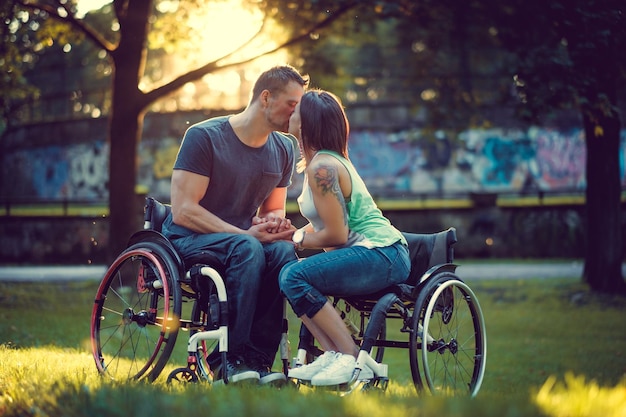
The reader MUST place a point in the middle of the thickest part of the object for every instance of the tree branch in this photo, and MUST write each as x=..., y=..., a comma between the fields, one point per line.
x=193, y=75
x=71, y=20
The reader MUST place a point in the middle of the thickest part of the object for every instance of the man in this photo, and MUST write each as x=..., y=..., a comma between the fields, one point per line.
x=228, y=194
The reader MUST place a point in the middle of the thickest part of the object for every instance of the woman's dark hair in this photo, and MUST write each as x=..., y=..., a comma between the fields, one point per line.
x=324, y=124
x=276, y=79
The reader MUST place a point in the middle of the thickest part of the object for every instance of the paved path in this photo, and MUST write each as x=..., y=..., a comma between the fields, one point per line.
x=471, y=270
x=52, y=273
x=520, y=270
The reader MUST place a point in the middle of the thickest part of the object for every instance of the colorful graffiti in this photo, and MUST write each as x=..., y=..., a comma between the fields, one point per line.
x=57, y=172
x=398, y=164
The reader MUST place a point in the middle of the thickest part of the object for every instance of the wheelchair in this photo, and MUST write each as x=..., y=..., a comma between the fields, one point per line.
x=138, y=313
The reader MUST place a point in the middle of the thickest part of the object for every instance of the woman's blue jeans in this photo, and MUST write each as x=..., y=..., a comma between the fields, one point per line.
x=344, y=272
x=250, y=272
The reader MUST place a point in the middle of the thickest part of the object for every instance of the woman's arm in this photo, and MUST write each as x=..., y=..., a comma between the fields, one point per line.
x=329, y=181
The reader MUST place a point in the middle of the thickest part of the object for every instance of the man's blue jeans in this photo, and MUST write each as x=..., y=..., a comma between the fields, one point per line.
x=250, y=270
x=349, y=271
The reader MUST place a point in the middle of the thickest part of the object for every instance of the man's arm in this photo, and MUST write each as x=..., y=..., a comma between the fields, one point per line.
x=273, y=209
x=274, y=204
x=187, y=190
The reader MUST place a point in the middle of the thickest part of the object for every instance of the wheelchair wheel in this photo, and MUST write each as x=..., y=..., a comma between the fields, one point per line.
x=182, y=376
x=448, y=346
x=135, y=318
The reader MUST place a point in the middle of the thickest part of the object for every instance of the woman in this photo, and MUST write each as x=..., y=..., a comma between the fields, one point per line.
x=363, y=253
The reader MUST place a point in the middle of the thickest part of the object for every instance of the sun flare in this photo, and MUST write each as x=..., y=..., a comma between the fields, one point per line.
x=85, y=6
x=223, y=27
x=226, y=31
x=223, y=30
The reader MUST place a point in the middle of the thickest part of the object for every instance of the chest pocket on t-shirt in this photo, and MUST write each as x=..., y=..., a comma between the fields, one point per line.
x=262, y=187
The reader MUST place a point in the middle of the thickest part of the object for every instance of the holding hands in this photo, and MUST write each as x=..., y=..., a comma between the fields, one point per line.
x=271, y=228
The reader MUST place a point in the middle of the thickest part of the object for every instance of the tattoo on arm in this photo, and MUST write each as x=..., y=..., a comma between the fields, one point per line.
x=327, y=180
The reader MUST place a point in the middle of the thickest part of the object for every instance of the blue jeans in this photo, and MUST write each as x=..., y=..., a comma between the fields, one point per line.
x=250, y=272
x=344, y=272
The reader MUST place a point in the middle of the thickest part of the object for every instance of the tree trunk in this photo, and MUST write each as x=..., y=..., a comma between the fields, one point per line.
x=603, y=262
x=124, y=217
x=126, y=123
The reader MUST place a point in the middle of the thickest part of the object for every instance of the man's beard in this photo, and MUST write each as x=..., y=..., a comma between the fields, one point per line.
x=284, y=127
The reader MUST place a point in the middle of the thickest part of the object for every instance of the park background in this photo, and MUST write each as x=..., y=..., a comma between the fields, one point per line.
x=442, y=128
x=509, y=192
x=434, y=108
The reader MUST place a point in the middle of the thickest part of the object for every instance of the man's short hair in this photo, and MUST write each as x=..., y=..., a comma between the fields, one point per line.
x=276, y=79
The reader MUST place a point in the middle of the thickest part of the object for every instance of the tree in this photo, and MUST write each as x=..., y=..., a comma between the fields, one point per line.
x=429, y=55
x=571, y=55
x=14, y=62
x=564, y=54
x=126, y=43
x=469, y=56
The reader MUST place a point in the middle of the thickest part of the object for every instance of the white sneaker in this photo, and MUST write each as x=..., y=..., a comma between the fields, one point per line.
x=306, y=372
x=338, y=372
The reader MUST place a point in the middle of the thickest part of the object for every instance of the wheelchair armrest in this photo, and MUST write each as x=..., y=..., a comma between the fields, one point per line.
x=155, y=213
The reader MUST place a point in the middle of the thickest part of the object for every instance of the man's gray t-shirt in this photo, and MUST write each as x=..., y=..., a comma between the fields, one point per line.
x=241, y=177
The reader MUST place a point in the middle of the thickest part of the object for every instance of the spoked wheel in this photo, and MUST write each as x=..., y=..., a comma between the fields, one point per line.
x=135, y=318
x=448, y=347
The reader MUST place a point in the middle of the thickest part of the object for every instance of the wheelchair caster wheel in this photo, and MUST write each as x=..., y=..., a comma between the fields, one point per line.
x=377, y=384
x=182, y=376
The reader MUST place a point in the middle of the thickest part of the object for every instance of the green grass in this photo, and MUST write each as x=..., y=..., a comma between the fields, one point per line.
x=554, y=349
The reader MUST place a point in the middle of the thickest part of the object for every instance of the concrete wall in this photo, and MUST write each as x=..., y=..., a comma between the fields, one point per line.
x=483, y=232
x=70, y=160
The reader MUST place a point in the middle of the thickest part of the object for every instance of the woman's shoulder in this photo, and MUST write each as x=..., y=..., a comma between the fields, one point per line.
x=322, y=160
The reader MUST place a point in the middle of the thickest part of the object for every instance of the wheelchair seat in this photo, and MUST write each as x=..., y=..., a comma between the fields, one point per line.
x=426, y=251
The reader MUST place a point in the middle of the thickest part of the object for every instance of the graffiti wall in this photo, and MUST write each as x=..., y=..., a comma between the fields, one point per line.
x=392, y=164
x=480, y=160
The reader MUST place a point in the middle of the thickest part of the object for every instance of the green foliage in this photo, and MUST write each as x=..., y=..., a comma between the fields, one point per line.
x=570, y=53
x=437, y=57
x=167, y=31
x=454, y=60
x=14, y=61
x=32, y=45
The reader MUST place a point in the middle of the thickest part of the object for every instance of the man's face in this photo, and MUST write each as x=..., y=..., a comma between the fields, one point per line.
x=282, y=105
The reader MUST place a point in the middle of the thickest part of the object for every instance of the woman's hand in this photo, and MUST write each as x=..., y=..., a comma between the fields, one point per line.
x=278, y=224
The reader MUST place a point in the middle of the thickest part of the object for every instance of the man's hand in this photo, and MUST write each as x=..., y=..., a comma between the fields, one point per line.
x=271, y=231
x=276, y=224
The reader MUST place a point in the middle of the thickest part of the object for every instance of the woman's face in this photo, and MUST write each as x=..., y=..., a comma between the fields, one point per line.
x=295, y=124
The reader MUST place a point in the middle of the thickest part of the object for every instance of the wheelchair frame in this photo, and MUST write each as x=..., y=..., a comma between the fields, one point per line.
x=138, y=312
